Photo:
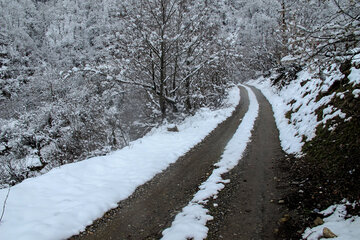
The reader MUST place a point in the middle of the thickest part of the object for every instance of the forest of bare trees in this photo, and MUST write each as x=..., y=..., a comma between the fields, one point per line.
x=79, y=78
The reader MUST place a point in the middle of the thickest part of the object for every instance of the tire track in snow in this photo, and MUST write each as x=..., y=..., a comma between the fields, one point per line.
x=190, y=223
x=248, y=207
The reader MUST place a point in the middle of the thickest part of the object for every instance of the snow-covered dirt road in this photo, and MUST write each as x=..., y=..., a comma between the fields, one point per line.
x=247, y=208
x=154, y=205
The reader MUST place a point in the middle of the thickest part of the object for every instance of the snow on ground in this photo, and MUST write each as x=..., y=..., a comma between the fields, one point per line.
x=290, y=141
x=354, y=76
x=356, y=92
x=65, y=200
x=345, y=227
x=294, y=108
x=190, y=223
x=298, y=100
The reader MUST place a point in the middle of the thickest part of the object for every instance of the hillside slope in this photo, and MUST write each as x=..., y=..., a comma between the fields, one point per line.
x=317, y=113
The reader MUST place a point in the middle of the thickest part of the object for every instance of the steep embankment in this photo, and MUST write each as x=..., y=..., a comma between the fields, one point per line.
x=317, y=113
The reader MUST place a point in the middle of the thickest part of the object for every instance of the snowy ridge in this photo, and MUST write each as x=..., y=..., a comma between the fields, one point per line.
x=65, y=200
x=190, y=223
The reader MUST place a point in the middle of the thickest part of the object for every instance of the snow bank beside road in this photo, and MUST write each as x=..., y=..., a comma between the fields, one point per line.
x=344, y=226
x=190, y=223
x=290, y=141
x=64, y=201
x=295, y=106
x=325, y=103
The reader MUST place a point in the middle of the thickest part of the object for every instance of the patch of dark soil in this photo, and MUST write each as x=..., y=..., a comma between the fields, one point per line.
x=333, y=155
x=345, y=67
x=286, y=74
x=330, y=170
x=327, y=175
x=307, y=193
x=295, y=193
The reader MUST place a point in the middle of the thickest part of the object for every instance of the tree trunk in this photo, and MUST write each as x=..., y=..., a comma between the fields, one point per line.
x=283, y=27
x=162, y=100
x=188, y=99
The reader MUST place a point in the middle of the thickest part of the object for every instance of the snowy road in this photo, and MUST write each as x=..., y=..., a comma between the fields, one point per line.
x=153, y=206
x=248, y=206
x=245, y=209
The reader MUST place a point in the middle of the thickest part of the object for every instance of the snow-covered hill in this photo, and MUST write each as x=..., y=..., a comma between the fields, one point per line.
x=317, y=113
x=307, y=101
